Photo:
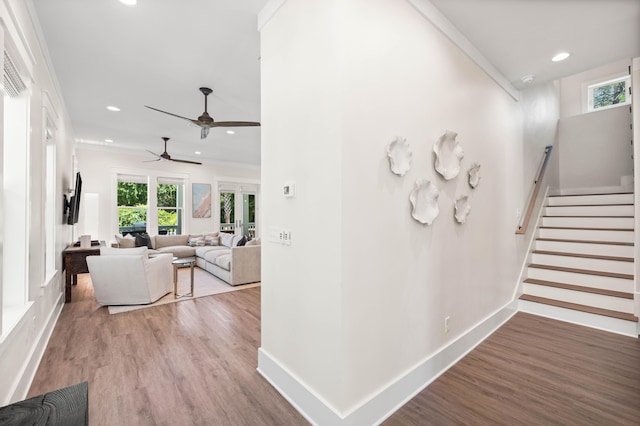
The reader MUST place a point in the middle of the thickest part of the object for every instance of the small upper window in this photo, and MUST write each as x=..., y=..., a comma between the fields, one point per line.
x=610, y=93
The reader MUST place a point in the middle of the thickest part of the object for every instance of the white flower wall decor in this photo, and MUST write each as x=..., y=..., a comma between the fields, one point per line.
x=424, y=199
x=474, y=175
x=462, y=209
x=399, y=154
x=449, y=154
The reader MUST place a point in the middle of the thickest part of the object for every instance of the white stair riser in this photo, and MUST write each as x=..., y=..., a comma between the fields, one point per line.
x=591, y=199
x=589, y=222
x=615, y=325
x=587, y=235
x=626, y=210
x=595, y=281
x=602, y=265
x=585, y=248
x=581, y=298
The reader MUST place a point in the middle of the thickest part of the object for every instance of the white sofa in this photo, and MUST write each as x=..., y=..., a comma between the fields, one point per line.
x=129, y=277
x=216, y=253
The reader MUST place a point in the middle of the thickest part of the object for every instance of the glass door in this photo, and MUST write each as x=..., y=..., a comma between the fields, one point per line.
x=238, y=209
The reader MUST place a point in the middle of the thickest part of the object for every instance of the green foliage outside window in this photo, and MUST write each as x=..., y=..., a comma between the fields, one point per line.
x=611, y=94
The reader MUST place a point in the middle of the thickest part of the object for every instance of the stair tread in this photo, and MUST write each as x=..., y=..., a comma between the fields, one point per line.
x=590, y=217
x=615, y=243
x=582, y=308
x=586, y=229
x=605, y=292
x=582, y=271
x=592, y=205
x=587, y=256
x=590, y=195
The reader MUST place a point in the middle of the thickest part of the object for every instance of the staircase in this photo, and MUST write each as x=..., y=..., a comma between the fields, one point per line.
x=582, y=264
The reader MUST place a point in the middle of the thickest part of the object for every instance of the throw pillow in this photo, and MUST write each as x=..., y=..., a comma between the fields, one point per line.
x=143, y=240
x=196, y=241
x=211, y=241
x=242, y=241
x=128, y=241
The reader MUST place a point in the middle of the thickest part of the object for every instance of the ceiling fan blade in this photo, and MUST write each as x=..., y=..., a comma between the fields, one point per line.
x=151, y=152
x=170, y=113
x=204, y=132
x=184, y=161
x=151, y=161
x=234, y=124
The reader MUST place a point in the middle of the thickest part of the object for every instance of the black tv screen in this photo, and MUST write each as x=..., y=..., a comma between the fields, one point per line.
x=74, y=202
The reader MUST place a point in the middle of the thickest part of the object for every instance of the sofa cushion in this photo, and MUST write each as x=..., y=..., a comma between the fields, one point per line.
x=211, y=255
x=128, y=241
x=170, y=240
x=223, y=261
x=179, y=251
x=254, y=242
x=201, y=251
x=226, y=239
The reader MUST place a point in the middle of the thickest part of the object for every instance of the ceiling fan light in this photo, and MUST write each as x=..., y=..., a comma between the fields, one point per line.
x=561, y=56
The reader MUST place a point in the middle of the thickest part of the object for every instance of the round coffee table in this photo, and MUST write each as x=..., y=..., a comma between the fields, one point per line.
x=180, y=263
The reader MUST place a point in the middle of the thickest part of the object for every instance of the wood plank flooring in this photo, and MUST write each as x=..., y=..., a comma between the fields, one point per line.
x=194, y=363
x=535, y=371
x=187, y=363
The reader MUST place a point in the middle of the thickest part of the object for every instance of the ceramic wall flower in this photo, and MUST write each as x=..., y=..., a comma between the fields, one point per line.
x=462, y=209
x=474, y=175
x=424, y=199
x=449, y=154
x=399, y=154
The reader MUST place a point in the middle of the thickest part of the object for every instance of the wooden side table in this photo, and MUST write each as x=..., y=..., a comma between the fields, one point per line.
x=74, y=260
x=179, y=263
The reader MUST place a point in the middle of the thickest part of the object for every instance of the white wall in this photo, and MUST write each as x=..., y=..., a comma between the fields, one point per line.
x=359, y=298
x=22, y=345
x=595, y=148
x=573, y=89
x=99, y=168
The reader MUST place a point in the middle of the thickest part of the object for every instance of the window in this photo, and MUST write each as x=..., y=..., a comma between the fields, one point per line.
x=170, y=196
x=132, y=204
x=608, y=94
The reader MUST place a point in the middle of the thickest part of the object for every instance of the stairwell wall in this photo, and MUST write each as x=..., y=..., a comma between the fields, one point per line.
x=362, y=301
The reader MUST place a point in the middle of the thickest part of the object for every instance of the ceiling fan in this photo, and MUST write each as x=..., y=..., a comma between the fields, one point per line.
x=205, y=121
x=165, y=156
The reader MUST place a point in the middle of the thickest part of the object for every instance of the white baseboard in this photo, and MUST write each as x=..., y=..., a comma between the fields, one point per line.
x=37, y=351
x=389, y=399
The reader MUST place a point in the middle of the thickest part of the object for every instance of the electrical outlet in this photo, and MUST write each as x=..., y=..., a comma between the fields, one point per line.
x=286, y=238
x=446, y=324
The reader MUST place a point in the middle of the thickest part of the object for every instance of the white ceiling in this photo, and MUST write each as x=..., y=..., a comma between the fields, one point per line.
x=159, y=52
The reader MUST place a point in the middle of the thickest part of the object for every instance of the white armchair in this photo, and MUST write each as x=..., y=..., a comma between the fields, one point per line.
x=126, y=276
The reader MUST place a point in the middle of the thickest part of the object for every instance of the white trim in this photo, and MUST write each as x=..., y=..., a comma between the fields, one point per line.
x=433, y=15
x=268, y=11
x=393, y=396
x=30, y=366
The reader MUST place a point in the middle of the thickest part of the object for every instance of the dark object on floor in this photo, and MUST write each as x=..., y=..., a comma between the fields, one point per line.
x=65, y=407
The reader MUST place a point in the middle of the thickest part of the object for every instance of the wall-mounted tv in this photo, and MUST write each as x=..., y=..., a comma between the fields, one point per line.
x=74, y=202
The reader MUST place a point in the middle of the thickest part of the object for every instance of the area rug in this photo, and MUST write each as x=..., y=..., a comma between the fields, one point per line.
x=204, y=284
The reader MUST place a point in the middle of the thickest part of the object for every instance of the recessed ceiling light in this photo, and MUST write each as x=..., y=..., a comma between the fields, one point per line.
x=108, y=140
x=561, y=56
x=231, y=132
x=129, y=2
x=113, y=108
x=198, y=153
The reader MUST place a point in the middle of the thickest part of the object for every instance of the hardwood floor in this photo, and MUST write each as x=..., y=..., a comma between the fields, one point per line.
x=194, y=363
x=187, y=363
x=535, y=371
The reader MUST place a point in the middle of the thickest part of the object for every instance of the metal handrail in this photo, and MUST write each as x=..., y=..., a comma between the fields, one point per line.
x=524, y=220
